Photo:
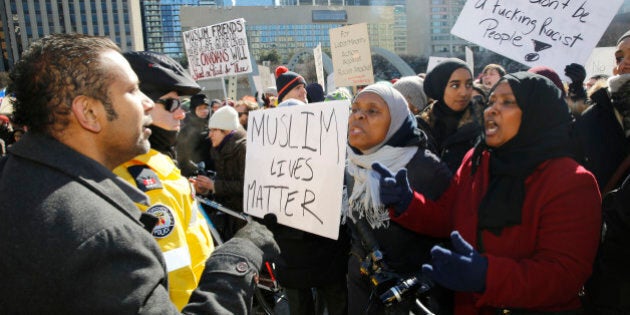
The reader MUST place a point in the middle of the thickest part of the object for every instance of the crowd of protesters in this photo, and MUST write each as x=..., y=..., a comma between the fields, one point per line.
x=497, y=193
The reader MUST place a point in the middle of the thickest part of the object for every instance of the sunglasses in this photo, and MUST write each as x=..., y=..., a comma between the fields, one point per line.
x=170, y=104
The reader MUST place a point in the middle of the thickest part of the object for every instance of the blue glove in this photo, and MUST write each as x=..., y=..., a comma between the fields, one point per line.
x=395, y=190
x=462, y=269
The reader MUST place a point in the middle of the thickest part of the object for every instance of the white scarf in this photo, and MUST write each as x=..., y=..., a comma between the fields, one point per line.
x=365, y=198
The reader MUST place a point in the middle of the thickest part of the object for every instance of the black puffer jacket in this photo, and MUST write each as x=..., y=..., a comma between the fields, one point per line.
x=454, y=146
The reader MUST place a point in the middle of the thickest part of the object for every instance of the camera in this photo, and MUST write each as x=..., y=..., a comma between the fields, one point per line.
x=390, y=286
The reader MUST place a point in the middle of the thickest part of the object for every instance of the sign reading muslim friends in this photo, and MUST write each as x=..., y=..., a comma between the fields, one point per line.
x=295, y=163
x=552, y=33
x=218, y=50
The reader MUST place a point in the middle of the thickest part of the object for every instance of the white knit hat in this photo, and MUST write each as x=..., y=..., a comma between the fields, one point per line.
x=226, y=118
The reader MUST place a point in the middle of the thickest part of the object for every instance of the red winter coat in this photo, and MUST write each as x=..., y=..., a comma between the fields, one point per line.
x=540, y=264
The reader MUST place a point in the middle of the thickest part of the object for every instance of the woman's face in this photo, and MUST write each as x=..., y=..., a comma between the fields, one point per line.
x=490, y=78
x=622, y=57
x=369, y=121
x=458, y=90
x=502, y=116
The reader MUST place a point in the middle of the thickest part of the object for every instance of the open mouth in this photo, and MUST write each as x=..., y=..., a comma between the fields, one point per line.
x=491, y=128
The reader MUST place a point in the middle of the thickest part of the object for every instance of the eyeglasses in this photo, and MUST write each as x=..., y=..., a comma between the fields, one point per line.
x=170, y=104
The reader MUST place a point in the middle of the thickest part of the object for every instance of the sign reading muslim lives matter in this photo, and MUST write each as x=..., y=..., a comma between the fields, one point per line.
x=552, y=33
x=295, y=163
x=218, y=50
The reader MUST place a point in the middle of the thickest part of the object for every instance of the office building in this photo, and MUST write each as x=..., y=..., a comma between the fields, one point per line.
x=22, y=21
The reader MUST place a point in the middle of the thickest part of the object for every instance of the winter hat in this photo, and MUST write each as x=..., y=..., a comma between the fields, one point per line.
x=287, y=80
x=411, y=88
x=436, y=80
x=160, y=74
x=198, y=99
x=624, y=36
x=549, y=74
x=226, y=118
x=314, y=93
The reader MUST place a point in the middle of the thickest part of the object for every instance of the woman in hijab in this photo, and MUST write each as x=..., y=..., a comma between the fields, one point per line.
x=381, y=128
x=452, y=122
x=523, y=216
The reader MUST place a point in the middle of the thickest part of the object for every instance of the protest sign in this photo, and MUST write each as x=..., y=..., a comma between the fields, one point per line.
x=295, y=163
x=351, y=55
x=434, y=61
x=218, y=50
x=552, y=33
x=266, y=78
x=319, y=65
x=601, y=61
x=470, y=59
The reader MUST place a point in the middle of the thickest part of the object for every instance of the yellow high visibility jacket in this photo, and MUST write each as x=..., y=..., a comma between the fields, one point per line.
x=181, y=231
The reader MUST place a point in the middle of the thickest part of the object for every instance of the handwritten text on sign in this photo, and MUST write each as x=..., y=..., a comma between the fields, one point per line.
x=537, y=32
x=351, y=55
x=218, y=50
x=295, y=163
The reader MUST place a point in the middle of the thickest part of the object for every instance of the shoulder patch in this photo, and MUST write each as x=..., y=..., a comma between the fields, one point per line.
x=166, y=221
x=146, y=179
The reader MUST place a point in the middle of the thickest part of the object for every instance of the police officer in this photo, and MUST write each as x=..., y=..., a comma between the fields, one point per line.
x=181, y=231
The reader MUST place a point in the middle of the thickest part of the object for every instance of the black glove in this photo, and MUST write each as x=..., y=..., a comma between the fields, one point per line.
x=395, y=190
x=577, y=74
x=261, y=237
x=271, y=222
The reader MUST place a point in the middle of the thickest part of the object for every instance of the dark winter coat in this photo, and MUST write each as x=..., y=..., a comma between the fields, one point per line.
x=229, y=163
x=193, y=145
x=600, y=145
x=453, y=148
x=607, y=290
x=72, y=242
x=405, y=251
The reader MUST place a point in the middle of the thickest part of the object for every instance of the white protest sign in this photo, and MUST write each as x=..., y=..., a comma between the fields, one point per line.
x=351, y=55
x=319, y=65
x=601, y=61
x=470, y=59
x=331, y=82
x=266, y=78
x=434, y=61
x=218, y=50
x=295, y=164
x=232, y=90
x=552, y=33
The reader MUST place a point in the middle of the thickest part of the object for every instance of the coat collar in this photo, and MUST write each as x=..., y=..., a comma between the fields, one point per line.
x=101, y=181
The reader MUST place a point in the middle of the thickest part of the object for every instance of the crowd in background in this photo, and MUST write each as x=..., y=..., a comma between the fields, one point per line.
x=505, y=193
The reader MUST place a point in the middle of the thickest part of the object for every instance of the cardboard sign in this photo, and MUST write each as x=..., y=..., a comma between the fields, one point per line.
x=218, y=50
x=351, y=55
x=552, y=33
x=319, y=65
x=294, y=165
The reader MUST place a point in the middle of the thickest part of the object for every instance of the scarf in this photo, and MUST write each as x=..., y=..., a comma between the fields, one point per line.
x=544, y=134
x=163, y=141
x=619, y=89
x=365, y=200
